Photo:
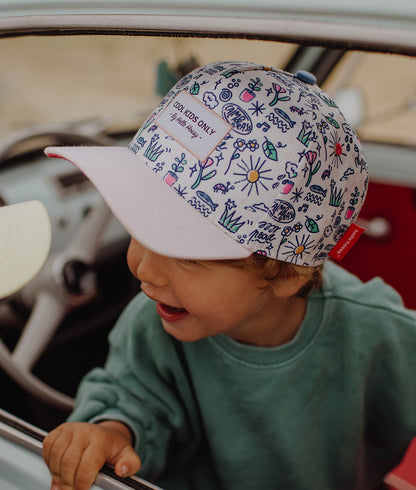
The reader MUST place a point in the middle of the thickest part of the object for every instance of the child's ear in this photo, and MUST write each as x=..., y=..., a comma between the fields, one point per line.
x=290, y=286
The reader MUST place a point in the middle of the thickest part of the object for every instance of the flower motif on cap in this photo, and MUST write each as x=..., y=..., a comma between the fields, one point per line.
x=202, y=166
x=252, y=145
x=309, y=168
x=337, y=150
x=239, y=145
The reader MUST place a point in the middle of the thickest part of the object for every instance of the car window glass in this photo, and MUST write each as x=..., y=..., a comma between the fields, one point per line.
x=384, y=86
x=50, y=80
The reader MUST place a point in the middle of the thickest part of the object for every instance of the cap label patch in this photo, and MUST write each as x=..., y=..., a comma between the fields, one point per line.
x=348, y=240
x=193, y=124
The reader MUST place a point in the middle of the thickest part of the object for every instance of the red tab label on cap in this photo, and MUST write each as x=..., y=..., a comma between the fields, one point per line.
x=348, y=240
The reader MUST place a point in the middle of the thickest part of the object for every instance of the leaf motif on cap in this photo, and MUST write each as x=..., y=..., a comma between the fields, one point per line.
x=270, y=150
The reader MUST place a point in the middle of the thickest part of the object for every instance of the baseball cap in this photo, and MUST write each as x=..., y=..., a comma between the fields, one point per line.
x=25, y=238
x=238, y=158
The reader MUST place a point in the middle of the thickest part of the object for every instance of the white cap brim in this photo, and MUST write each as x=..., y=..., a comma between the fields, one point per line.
x=25, y=238
x=151, y=211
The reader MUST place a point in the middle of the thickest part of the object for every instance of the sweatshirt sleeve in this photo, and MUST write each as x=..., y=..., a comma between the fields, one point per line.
x=143, y=384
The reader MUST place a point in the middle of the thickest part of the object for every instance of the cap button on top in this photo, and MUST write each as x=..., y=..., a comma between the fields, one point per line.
x=306, y=77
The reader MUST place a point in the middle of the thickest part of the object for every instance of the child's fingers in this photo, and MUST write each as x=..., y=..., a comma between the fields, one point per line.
x=55, y=447
x=68, y=469
x=75, y=453
x=90, y=463
x=71, y=463
x=48, y=443
x=67, y=454
x=128, y=463
x=47, y=453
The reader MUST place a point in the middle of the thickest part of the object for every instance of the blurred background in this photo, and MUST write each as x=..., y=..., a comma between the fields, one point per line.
x=54, y=79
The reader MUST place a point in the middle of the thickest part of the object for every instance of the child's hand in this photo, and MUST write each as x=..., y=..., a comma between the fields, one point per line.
x=75, y=453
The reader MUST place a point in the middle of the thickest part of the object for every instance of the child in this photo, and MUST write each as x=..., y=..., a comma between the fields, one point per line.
x=242, y=365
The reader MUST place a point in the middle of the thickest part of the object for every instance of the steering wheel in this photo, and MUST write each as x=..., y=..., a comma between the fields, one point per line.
x=66, y=281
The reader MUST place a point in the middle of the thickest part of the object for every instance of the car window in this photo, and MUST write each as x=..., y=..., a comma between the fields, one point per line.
x=49, y=80
x=55, y=80
x=384, y=88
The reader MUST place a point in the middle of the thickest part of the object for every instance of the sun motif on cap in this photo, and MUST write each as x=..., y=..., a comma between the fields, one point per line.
x=336, y=149
x=252, y=175
x=298, y=248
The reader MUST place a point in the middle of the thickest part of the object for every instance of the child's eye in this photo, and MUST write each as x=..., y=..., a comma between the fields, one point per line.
x=187, y=261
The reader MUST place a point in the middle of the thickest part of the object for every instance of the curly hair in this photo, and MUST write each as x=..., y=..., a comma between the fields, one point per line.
x=276, y=271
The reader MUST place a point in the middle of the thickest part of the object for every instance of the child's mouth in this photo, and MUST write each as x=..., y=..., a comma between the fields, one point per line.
x=170, y=313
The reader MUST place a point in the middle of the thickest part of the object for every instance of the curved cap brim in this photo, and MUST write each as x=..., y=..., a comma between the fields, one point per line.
x=25, y=238
x=150, y=210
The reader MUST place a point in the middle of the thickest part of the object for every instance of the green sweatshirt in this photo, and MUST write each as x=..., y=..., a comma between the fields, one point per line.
x=335, y=408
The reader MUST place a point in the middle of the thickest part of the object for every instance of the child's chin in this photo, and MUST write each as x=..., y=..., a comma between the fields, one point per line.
x=181, y=332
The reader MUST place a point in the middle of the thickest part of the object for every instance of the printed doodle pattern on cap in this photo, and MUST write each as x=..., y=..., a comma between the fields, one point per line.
x=284, y=175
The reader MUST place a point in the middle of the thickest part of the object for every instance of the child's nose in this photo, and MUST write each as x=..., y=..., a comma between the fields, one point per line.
x=151, y=269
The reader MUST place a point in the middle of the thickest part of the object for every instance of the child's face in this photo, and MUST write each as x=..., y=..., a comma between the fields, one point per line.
x=200, y=299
